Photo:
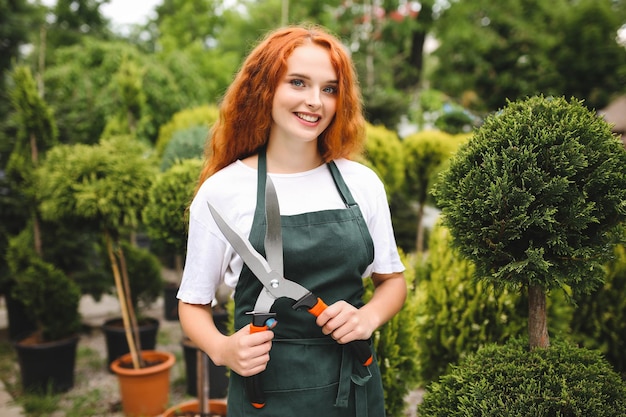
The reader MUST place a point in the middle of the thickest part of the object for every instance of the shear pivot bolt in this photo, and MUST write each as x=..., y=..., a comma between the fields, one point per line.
x=274, y=283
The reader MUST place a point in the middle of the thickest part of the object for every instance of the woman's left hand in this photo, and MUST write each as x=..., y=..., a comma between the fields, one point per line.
x=344, y=323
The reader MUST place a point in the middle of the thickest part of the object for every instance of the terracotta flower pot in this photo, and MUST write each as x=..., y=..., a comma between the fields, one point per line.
x=145, y=391
x=191, y=408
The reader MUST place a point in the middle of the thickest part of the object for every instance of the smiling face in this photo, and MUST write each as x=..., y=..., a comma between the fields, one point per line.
x=305, y=100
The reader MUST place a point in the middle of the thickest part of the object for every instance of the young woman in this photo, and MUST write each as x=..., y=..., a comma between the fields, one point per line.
x=294, y=113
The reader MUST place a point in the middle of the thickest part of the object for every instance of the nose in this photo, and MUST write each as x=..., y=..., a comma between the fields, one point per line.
x=313, y=100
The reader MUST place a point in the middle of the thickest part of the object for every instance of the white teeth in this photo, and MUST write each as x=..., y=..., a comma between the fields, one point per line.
x=308, y=118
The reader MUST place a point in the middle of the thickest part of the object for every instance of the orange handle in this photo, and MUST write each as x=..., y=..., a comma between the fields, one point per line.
x=317, y=309
x=257, y=329
x=262, y=322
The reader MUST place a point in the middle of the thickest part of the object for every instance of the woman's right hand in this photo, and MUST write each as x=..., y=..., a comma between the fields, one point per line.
x=243, y=352
x=246, y=353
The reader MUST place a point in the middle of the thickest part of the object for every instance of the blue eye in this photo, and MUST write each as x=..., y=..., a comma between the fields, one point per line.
x=330, y=90
x=297, y=83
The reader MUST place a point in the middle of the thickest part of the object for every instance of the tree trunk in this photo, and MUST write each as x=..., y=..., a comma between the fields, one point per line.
x=34, y=156
x=121, y=296
x=129, y=302
x=419, y=236
x=537, y=318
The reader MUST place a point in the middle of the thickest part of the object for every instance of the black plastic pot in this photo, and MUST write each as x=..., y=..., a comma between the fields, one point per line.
x=47, y=366
x=218, y=375
x=170, y=302
x=115, y=337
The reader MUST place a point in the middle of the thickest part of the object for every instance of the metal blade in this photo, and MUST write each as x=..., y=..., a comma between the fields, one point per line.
x=273, y=233
x=274, y=282
x=264, y=302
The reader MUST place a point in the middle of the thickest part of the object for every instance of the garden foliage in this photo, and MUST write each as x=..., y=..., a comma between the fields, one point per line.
x=535, y=196
x=184, y=119
x=599, y=321
x=512, y=380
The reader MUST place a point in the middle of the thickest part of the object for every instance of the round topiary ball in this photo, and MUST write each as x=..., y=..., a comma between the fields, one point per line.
x=512, y=380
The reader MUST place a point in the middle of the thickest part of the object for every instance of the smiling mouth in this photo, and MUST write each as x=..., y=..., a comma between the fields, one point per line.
x=307, y=118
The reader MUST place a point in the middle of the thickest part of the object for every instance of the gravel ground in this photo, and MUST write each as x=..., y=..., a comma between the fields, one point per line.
x=96, y=391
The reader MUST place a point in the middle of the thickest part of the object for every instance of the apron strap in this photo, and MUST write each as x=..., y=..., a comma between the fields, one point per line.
x=353, y=372
x=346, y=195
x=261, y=179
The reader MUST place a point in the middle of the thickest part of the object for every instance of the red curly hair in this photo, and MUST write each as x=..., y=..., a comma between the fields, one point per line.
x=245, y=113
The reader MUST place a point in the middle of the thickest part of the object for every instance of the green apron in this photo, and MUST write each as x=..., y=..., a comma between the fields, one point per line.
x=309, y=374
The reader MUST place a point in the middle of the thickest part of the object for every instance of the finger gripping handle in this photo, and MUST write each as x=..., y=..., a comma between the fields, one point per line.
x=315, y=306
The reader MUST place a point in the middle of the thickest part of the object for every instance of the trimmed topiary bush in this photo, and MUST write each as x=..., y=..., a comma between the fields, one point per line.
x=185, y=144
x=184, y=119
x=383, y=153
x=425, y=154
x=51, y=299
x=536, y=198
x=165, y=214
x=105, y=186
x=512, y=380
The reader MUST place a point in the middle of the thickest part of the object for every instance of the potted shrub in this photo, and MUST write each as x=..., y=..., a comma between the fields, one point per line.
x=48, y=298
x=105, y=186
x=47, y=356
x=536, y=200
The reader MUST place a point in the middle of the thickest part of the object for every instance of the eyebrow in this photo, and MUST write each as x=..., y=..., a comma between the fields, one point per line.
x=306, y=77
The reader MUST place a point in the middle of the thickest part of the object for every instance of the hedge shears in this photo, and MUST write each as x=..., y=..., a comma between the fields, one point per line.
x=269, y=271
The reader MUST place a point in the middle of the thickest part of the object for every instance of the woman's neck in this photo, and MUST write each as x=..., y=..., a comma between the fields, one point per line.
x=293, y=159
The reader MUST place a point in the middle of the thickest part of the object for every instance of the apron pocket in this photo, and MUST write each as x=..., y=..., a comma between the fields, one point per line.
x=302, y=364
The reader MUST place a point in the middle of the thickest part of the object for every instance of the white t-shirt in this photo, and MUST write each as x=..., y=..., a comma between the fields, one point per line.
x=211, y=260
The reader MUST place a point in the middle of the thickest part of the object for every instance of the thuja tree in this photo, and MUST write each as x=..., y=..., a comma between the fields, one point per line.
x=165, y=214
x=382, y=150
x=535, y=199
x=425, y=153
x=37, y=132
